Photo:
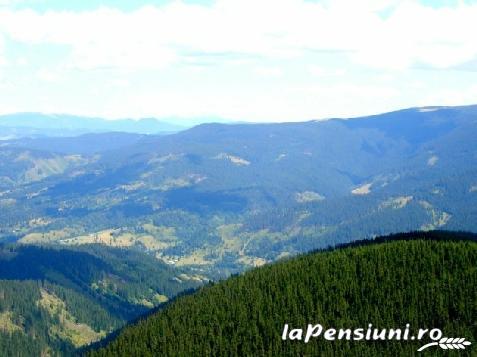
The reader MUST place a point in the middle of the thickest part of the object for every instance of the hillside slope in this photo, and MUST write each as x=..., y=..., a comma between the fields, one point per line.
x=55, y=300
x=426, y=280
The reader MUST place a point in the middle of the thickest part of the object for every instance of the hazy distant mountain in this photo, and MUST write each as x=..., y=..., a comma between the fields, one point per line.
x=37, y=124
x=85, y=144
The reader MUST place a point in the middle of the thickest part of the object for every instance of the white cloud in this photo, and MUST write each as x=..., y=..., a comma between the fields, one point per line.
x=415, y=34
x=273, y=72
x=343, y=99
x=153, y=37
x=46, y=75
x=9, y=2
x=120, y=83
x=320, y=71
x=450, y=97
x=3, y=61
x=246, y=60
x=22, y=61
x=278, y=104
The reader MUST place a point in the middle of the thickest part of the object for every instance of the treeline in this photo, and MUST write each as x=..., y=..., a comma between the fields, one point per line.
x=428, y=283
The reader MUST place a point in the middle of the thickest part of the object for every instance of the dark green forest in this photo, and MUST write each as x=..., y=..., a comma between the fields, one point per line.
x=428, y=280
x=54, y=300
x=27, y=328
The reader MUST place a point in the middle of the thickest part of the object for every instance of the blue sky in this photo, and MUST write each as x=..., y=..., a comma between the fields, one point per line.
x=248, y=60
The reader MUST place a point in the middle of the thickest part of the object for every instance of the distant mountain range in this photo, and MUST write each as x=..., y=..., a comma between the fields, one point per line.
x=223, y=198
x=37, y=124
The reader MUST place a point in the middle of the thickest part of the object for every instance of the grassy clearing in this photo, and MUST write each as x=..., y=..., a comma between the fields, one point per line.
x=6, y=323
x=47, y=237
x=78, y=334
x=119, y=238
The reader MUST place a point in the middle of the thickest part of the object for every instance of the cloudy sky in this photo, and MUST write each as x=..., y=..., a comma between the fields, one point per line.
x=249, y=60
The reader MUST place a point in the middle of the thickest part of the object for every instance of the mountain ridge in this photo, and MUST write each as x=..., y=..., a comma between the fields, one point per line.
x=37, y=124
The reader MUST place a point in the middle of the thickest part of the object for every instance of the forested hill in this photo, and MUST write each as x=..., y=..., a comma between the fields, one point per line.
x=428, y=280
x=54, y=300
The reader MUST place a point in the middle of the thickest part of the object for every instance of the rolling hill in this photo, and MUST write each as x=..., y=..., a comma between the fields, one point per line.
x=426, y=280
x=223, y=198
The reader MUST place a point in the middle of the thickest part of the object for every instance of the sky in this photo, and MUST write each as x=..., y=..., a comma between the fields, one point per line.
x=237, y=60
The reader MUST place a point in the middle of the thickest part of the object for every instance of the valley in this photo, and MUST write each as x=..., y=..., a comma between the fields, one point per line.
x=98, y=229
x=222, y=198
